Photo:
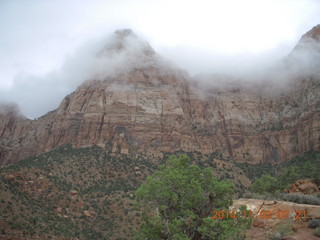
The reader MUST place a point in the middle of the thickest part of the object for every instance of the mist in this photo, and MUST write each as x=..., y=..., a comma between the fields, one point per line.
x=38, y=94
x=99, y=59
x=218, y=44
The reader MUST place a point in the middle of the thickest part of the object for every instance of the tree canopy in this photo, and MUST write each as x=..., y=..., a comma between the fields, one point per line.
x=177, y=203
x=266, y=184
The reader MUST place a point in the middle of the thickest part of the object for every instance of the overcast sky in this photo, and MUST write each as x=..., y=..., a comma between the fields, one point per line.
x=45, y=45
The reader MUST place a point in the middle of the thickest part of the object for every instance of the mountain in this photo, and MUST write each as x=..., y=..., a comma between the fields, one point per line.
x=72, y=173
x=137, y=103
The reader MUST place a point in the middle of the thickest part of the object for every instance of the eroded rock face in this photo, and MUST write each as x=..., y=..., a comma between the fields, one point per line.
x=152, y=108
x=305, y=186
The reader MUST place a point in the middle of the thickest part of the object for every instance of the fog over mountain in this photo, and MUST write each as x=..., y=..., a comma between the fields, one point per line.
x=42, y=65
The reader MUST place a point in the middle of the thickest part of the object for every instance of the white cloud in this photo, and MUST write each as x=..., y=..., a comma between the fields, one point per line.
x=45, y=52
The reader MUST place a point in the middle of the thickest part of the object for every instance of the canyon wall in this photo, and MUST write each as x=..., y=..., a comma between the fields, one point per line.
x=156, y=108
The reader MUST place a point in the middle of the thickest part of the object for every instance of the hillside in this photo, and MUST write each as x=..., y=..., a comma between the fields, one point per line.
x=87, y=193
x=72, y=173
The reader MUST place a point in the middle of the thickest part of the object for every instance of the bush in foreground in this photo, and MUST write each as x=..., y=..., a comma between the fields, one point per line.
x=314, y=223
x=283, y=230
x=177, y=202
x=317, y=232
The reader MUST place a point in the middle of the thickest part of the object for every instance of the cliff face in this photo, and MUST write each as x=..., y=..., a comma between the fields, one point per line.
x=146, y=106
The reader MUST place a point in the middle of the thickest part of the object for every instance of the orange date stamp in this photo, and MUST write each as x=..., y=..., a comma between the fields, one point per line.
x=263, y=214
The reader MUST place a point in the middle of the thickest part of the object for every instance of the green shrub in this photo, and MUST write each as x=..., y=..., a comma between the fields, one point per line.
x=314, y=223
x=301, y=198
x=265, y=184
x=284, y=229
x=275, y=236
x=317, y=232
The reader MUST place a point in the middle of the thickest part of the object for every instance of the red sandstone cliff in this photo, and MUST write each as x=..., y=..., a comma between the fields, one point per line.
x=146, y=106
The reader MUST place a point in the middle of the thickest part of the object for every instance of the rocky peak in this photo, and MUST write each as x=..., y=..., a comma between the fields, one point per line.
x=123, y=53
x=129, y=59
x=309, y=42
x=122, y=33
x=304, y=58
x=125, y=40
x=314, y=33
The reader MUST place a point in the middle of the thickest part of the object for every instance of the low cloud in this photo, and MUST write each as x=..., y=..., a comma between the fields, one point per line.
x=106, y=57
x=98, y=59
x=199, y=36
x=279, y=75
x=38, y=94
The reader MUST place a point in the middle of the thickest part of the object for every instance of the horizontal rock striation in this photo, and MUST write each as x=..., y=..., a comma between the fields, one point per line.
x=154, y=107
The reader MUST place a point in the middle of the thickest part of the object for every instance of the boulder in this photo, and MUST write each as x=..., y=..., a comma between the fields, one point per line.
x=74, y=192
x=87, y=213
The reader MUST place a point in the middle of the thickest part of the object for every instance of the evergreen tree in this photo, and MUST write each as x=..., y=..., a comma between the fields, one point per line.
x=265, y=184
x=178, y=200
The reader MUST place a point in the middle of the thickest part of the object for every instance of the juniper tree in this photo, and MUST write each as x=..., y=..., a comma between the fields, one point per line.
x=177, y=203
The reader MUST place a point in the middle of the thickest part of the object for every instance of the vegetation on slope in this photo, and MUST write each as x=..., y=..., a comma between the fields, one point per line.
x=273, y=185
x=71, y=193
x=89, y=193
x=304, y=166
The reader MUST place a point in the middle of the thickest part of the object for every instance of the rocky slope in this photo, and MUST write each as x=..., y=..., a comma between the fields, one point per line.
x=86, y=193
x=82, y=193
x=141, y=105
x=278, y=219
